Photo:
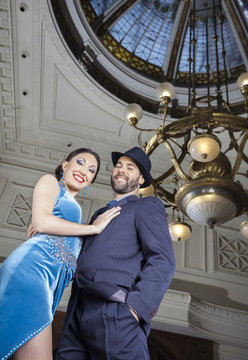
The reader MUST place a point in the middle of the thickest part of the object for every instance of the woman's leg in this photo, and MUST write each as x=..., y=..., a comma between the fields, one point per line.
x=38, y=348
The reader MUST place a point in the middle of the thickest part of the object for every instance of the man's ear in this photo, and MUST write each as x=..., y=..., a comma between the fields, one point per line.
x=141, y=180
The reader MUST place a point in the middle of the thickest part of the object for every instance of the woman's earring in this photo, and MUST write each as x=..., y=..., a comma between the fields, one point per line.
x=84, y=192
x=62, y=176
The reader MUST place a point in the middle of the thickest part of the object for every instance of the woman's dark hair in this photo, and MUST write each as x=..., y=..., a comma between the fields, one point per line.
x=59, y=170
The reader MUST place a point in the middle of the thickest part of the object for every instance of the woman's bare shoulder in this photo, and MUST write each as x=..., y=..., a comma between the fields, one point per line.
x=48, y=180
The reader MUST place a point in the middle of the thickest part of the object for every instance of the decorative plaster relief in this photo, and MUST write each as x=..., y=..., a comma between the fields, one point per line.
x=20, y=213
x=17, y=203
x=66, y=55
x=177, y=296
x=232, y=254
x=84, y=117
x=219, y=311
x=6, y=74
x=11, y=146
x=192, y=316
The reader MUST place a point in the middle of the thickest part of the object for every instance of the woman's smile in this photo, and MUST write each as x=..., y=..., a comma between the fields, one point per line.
x=78, y=178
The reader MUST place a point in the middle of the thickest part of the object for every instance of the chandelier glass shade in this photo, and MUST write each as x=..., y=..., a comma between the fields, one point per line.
x=206, y=189
x=244, y=228
x=165, y=90
x=242, y=80
x=179, y=231
x=204, y=147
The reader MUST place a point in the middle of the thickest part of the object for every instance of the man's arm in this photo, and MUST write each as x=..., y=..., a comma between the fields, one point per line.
x=158, y=270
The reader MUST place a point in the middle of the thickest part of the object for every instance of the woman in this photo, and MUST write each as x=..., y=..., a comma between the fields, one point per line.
x=34, y=276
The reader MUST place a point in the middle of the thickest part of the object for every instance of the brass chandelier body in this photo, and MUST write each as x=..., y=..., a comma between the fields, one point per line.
x=207, y=192
x=204, y=180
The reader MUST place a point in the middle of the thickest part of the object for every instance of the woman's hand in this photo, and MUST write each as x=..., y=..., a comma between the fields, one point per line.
x=104, y=219
x=31, y=231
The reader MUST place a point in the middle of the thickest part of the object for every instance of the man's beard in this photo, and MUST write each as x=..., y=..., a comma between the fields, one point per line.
x=125, y=188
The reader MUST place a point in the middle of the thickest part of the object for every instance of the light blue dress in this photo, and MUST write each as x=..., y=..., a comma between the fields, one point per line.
x=33, y=279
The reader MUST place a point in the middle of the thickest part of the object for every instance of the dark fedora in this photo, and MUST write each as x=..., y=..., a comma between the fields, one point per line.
x=140, y=158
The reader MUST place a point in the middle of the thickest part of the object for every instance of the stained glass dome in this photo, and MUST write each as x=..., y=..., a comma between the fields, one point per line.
x=142, y=36
x=152, y=41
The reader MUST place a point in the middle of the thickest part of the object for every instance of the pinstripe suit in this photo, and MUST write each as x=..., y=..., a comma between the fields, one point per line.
x=134, y=253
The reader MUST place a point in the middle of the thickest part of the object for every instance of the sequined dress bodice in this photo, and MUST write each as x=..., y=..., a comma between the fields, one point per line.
x=64, y=249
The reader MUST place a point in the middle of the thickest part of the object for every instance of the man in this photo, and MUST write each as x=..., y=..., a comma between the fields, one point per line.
x=123, y=273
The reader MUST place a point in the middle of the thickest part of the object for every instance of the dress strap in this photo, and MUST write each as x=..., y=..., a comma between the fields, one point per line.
x=61, y=183
x=62, y=188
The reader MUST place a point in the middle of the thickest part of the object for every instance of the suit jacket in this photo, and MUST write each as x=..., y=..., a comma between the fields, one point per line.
x=135, y=252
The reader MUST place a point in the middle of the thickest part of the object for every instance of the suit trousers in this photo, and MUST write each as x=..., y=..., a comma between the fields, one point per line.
x=102, y=330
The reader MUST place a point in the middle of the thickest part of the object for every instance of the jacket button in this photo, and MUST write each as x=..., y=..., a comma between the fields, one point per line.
x=79, y=275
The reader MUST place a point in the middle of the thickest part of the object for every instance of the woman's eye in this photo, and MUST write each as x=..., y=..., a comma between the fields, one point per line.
x=92, y=171
x=80, y=162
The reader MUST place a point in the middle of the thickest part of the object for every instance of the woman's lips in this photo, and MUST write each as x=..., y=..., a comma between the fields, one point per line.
x=78, y=178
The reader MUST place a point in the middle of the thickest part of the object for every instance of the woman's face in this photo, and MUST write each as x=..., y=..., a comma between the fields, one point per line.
x=79, y=172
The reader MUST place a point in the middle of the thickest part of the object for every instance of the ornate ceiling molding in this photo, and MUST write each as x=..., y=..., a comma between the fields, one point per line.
x=23, y=150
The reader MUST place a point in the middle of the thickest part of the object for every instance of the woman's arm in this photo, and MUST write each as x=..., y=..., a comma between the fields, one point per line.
x=44, y=197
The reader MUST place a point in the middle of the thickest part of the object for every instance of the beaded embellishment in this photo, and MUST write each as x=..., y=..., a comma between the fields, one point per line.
x=59, y=247
x=25, y=340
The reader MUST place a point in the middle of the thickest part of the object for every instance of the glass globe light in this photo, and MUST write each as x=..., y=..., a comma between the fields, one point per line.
x=204, y=147
x=165, y=89
x=244, y=228
x=242, y=79
x=179, y=231
x=133, y=111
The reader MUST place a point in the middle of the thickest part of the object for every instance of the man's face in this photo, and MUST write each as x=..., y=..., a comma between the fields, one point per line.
x=126, y=176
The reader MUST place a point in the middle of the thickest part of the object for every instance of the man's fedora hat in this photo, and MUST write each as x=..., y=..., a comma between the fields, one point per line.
x=140, y=158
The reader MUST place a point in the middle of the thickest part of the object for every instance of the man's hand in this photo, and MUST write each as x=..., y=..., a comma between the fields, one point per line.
x=31, y=231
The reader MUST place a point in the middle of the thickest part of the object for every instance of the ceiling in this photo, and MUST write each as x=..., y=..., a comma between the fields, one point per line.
x=143, y=42
x=62, y=88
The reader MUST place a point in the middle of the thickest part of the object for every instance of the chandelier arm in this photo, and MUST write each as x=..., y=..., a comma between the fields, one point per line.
x=245, y=158
x=227, y=121
x=179, y=127
x=244, y=92
x=153, y=143
x=246, y=104
x=140, y=129
x=165, y=100
x=235, y=139
x=236, y=146
x=172, y=168
x=230, y=121
x=239, y=156
x=175, y=161
x=234, y=142
x=174, y=142
x=165, y=195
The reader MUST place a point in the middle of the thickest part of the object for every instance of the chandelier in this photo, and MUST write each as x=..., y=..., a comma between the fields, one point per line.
x=206, y=191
